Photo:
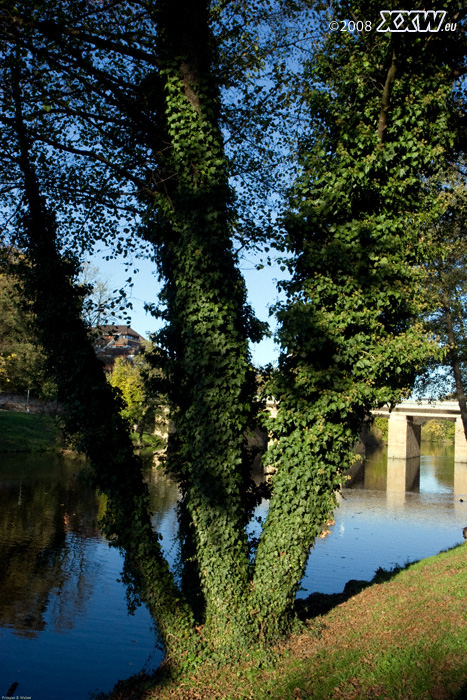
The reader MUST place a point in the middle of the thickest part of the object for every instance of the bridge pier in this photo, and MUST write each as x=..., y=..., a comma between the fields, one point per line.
x=403, y=437
x=460, y=443
x=403, y=475
x=460, y=486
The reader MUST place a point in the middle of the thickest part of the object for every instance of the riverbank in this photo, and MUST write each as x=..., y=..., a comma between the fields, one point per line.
x=38, y=432
x=403, y=636
x=28, y=432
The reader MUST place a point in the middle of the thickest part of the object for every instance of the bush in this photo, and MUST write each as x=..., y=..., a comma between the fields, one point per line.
x=438, y=431
x=379, y=429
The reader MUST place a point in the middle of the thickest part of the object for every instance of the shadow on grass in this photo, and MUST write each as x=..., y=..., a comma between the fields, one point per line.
x=321, y=603
x=462, y=694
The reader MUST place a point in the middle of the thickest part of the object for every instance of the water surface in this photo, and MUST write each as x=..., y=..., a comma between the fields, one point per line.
x=381, y=524
x=65, y=630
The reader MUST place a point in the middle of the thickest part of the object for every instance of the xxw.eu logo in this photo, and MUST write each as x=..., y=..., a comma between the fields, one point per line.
x=413, y=21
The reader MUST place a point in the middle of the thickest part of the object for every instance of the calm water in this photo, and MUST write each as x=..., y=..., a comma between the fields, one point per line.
x=64, y=627
x=383, y=520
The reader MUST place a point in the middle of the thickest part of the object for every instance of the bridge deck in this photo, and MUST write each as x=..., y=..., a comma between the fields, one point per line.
x=422, y=409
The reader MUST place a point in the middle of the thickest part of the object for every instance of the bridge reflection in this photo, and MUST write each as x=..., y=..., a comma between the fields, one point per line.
x=399, y=476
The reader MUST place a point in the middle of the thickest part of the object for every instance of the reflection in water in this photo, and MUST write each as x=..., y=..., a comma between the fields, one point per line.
x=64, y=626
x=36, y=514
x=389, y=514
x=460, y=480
x=434, y=471
x=163, y=495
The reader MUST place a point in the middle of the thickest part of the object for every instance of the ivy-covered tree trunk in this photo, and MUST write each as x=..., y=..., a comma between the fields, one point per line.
x=205, y=346
x=208, y=364
x=350, y=331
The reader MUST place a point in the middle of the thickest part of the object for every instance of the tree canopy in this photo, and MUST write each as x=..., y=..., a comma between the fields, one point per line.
x=382, y=124
x=445, y=288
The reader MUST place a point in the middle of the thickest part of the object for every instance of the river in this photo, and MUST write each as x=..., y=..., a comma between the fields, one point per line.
x=65, y=631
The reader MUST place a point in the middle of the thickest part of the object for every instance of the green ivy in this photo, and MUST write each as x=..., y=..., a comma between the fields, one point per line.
x=379, y=107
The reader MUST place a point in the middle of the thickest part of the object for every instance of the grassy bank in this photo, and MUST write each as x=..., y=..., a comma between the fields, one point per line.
x=404, y=637
x=28, y=432
x=36, y=432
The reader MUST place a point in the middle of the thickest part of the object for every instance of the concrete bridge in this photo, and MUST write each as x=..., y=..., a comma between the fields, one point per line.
x=405, y=422
x=403, y=465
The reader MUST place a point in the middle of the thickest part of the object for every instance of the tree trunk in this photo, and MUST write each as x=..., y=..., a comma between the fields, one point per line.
x=208, y=365
x=91, y=411
x=386, y=96
x=205, y=350
x=455, y=363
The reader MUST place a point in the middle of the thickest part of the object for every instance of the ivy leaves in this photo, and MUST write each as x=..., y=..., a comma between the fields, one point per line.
x=378, y=107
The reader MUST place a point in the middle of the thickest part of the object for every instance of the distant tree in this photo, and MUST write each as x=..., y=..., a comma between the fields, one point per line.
x=445, y=291
x=22, y=358
x=141, y=406
x=4, y=378
x=438, y=431
x=127, y=378
x=101, y=305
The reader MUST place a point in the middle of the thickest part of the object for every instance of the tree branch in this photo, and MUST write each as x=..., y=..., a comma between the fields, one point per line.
x=386, y=98
x=55, y=31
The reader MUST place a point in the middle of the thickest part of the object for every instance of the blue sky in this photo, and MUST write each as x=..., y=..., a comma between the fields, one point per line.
x=261, y=285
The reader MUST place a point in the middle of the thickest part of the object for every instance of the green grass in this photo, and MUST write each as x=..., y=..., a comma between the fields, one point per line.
x=403, y=638
x=33, y=432
x=28, y=432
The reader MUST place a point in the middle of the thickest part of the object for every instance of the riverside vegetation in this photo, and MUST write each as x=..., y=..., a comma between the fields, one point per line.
x=36, y=432
x=33, y=432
